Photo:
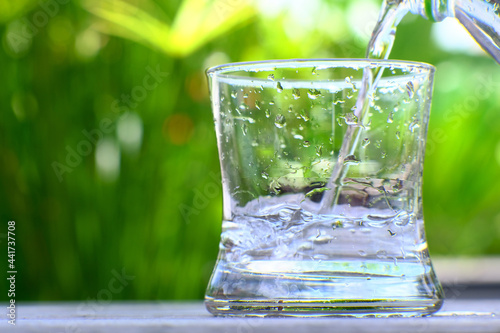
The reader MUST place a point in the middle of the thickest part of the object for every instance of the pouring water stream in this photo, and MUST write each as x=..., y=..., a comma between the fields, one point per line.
x=379, y=47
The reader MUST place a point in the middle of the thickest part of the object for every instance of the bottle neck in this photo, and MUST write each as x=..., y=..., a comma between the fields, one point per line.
x=433, y=10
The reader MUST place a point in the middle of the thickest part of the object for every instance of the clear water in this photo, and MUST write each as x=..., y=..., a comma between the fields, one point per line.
x=277, y=250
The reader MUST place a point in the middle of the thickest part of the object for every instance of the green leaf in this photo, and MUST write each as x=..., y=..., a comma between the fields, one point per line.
x=197, y=22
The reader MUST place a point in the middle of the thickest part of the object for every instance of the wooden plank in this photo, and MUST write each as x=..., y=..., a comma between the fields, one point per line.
x=467, y=270
x=155, y=317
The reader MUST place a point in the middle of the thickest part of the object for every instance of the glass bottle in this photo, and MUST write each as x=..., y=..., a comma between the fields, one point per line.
x=480, y=17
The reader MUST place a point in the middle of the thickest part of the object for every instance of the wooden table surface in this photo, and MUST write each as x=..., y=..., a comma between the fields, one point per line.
x=472, y=288
x=457, y=315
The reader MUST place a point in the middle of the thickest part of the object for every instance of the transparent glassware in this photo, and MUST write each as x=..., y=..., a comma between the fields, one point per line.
x=287, y=250
x=480, y=17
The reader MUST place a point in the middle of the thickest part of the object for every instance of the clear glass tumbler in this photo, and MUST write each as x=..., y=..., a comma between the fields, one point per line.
x=322, y=210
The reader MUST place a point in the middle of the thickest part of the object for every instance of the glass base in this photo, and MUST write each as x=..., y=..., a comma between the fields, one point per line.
x=357, y=288
x=321, y=308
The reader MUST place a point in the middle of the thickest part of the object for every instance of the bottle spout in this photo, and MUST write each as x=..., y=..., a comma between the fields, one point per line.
x=432, y=10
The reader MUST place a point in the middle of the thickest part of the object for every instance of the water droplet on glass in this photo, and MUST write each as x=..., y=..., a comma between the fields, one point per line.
x=290, y=109
x=319, y=150
x=348, y=80
x=257, y=105
x=270, y=77
x=234, y=94
x=264, y=175
x=271, y=102
x=279, y=87
x=296, y=93
x=268, y=113
x=350, y=118
x=313, y=93
x=383, y=154
x=245, y=96
x=243, y=106
x=280, y=121
x=351, y=159
x=362, y=253
x=414, y=124
x=378, y=143
x=304, y=115
x=365, y=143
x=398, y=135
x=381, y=254
x=255, y=143
x=391, y=233
x=244, y=128
x=298, y=137
x=390, y=119
x=338, y=101
x=313, y=72
x=410, y=89
x=306, y=144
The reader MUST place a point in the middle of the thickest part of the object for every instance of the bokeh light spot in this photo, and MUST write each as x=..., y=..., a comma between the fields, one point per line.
x=196, y=86
x=362, y=16
x=178, y=128
x=216, y=58
x=449, y=35
x=88, y=43
x=24, y=105
x=16, y=42
x=107, y=159
x=129, y=131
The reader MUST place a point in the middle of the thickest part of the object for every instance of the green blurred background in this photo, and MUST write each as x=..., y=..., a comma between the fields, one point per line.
x=140, y=194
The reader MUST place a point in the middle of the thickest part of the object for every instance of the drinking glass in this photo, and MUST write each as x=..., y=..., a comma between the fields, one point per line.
x=322, y=201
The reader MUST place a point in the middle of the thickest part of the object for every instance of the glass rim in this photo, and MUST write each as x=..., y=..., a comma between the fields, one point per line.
x=229, y=69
